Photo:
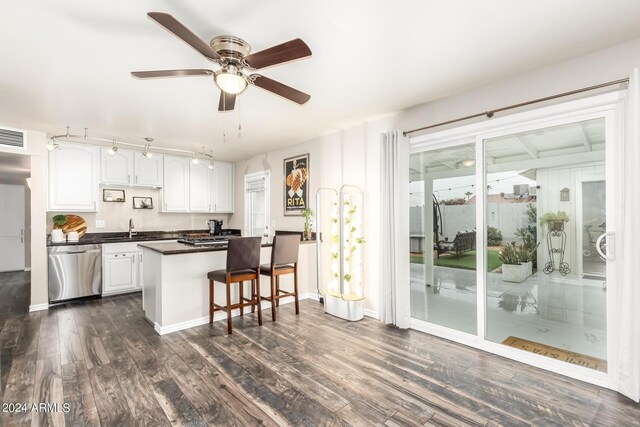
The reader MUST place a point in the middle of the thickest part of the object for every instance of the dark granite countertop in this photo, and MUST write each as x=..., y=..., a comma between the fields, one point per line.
x=141, y=236
x=175, y=248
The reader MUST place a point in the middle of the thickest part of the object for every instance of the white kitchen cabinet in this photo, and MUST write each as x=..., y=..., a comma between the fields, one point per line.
x=116, y=169
x=222, y=187
x=121, y=273
x=74, y=171
x=175, y=191
x=199, y=188
x=128, y=167
x=148, y=172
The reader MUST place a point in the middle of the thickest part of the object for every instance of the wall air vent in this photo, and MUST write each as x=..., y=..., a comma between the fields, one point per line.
x=12, y=138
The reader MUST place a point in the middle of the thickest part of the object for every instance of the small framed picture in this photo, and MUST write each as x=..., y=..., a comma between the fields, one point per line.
x=142, y=203
x=296, y=184
x=109, y=195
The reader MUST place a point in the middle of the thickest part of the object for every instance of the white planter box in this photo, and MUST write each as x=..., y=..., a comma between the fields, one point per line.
x=517, y=273
x=345, y=309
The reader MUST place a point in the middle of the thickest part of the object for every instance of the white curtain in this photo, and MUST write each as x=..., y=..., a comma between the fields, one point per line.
x=629, y=302
x=394, y=253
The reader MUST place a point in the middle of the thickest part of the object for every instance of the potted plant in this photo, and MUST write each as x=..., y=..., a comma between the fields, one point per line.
x=517, y=263
x=308, y=213
x=59, y=221
x=554, y=220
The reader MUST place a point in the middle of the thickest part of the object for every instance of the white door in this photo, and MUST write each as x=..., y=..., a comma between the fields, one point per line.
x=199, y=188
x=148, y=172
x=12, y=227
x=223, y=187
x=175, y=191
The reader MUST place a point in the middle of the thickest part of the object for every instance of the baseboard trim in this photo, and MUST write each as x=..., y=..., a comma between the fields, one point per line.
x=372, y=314
x=38, y=307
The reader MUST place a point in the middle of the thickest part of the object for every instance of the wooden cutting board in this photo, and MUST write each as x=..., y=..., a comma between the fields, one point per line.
x=75, y=223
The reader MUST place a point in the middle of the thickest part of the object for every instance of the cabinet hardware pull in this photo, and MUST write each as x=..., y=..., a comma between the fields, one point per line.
x=128, y=179
x=136, y=179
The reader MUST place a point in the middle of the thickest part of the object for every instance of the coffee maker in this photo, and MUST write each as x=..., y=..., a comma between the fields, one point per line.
x=215, y=227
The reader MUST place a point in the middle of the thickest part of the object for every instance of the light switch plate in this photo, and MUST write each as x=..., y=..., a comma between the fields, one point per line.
x=101, y=223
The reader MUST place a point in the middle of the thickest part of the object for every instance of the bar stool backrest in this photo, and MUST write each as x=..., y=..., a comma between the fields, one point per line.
x=285, y=249
x=243, y=253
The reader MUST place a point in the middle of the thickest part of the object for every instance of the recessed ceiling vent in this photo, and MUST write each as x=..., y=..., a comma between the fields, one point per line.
x=12, y=138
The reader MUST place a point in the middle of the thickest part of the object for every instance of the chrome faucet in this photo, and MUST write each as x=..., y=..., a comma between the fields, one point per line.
x=132, y=228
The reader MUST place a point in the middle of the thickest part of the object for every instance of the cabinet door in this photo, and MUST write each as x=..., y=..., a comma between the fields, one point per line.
x=175, y=191
x=222, y=193
x=116, y=169
x=148, y=172
x=73, y=177
x=200, y=188
x=120, y=273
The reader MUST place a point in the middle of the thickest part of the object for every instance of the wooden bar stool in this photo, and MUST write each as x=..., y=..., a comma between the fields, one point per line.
x=243, y=263
x=284, y=260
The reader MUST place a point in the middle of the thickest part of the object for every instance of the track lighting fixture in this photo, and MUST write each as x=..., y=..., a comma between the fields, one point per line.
x=113, y=150
x=52, y=145
x=210, y=166
x=148, y=154
x=194, y=159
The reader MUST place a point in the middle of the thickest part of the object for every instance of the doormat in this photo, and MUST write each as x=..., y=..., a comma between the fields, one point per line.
x=557, y=353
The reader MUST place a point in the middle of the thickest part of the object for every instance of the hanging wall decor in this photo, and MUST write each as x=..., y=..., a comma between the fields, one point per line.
x=296, y=184
x=109, y=195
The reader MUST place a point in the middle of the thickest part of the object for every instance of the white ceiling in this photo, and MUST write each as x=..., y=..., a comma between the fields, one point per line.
x=69, y=62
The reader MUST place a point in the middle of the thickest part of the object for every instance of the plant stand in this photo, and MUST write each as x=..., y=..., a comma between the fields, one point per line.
x=556, y=233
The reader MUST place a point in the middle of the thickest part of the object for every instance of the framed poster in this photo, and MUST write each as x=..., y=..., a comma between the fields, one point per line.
x=296, y=184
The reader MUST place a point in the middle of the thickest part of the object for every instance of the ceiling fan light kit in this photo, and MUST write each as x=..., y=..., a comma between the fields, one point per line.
x=233, y=55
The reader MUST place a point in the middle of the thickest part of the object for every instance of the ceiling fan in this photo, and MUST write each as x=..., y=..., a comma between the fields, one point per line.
x=233, y=55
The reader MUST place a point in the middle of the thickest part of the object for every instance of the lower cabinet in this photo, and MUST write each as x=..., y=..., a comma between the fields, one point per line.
x=121, y=273
x=121, y=268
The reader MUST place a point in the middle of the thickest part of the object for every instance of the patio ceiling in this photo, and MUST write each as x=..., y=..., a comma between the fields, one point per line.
x=566, y=140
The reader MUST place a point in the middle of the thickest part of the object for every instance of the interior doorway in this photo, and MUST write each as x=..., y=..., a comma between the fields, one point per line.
x=15, y=212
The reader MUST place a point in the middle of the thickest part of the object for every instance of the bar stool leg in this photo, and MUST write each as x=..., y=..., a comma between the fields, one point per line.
x=258, y=299
x=273, y=299
x=253, y=296
x=278, y=291
x=229, y=322
x=295, y=287
x=241, y=298
x=211, y=301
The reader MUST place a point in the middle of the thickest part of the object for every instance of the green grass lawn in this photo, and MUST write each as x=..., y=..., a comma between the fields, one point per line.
x=466, y=261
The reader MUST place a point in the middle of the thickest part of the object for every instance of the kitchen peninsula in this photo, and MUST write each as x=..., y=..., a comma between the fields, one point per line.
x=175, y=293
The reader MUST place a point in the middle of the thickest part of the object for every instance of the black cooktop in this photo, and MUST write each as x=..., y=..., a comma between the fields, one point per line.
x=206, y=241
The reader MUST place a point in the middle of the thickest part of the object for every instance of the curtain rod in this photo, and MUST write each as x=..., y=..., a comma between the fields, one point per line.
x=490, y=113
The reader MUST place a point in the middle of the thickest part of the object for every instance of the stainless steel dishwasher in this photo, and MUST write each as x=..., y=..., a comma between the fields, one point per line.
x=75, y=271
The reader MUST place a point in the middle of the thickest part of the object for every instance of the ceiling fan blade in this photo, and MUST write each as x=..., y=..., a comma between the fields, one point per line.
x=227, y=101
x=170, y=73
x=285, y=52
x=174, y=26
x=279, y=89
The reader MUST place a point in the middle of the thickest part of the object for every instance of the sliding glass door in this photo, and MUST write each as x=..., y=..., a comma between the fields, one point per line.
x=443, y=237
x=512, y=238
x=546, y=203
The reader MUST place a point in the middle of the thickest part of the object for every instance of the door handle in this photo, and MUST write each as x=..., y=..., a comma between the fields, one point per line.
x=608, y=245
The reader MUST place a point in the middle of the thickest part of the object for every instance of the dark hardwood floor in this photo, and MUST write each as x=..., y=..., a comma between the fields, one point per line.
x=107, y=363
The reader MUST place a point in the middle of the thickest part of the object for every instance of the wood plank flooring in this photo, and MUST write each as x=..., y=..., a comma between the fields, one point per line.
x=111, y=368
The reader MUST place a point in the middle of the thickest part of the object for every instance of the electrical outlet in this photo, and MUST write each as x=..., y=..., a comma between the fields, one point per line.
x=101, y=223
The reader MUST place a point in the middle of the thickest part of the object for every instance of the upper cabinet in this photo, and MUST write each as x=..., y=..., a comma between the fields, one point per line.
x=175, y=191
x=116, y=168
x=222, y=179
x=130, y=168
x=148, y=172
x=200, y=188
x=74, y=171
